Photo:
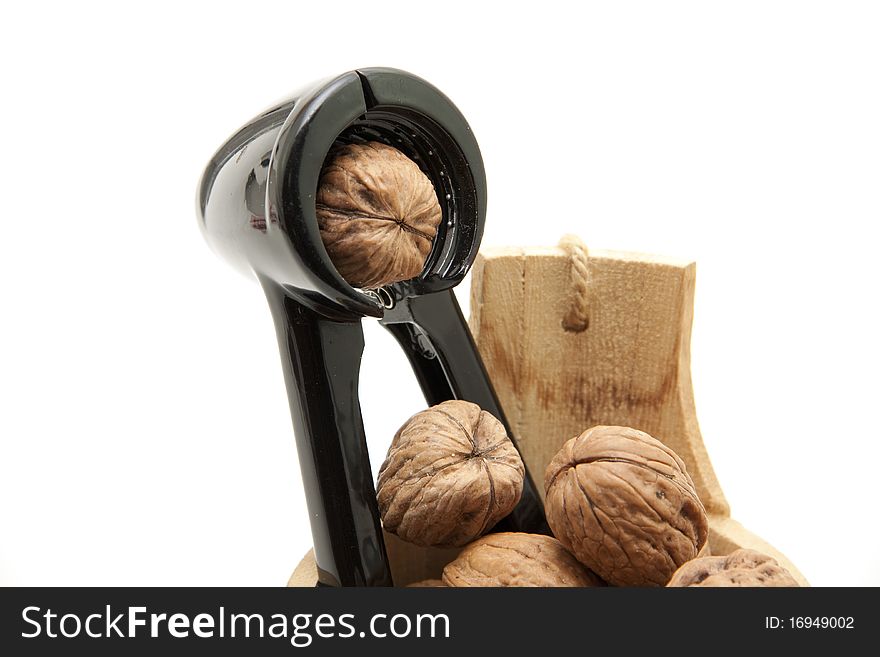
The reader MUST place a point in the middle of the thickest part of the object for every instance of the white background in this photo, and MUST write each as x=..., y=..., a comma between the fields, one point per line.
x=144, y=430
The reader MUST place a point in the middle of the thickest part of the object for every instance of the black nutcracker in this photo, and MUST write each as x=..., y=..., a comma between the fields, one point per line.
x=256, y=206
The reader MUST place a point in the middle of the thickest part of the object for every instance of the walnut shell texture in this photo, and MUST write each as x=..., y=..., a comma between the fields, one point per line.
x=623, y=503
x=740, y=568
x=378, y=214
x=513, y=559
x=450, y=475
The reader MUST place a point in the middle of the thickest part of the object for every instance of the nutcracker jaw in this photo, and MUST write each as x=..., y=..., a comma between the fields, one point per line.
x=257, y=196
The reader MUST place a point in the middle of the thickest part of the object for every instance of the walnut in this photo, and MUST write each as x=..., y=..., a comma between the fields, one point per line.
x=511, y=559
x=450, y=475
x=378, y=214
x=426, y=583
x=625, y=506
x=740, y=568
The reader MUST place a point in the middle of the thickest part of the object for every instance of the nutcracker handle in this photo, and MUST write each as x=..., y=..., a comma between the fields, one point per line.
x=435, y=337
x=321, y=362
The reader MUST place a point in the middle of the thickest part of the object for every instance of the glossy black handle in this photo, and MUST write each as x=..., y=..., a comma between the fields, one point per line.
x=321, y=362
x=436, y=339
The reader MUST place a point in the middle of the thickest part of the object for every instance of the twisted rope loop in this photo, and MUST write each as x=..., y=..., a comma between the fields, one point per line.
x=577, y=317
